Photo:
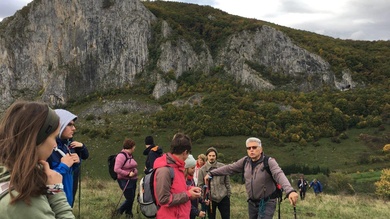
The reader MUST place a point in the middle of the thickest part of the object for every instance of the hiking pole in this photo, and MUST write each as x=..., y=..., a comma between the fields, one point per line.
x=80, y=192
x=209, y=191
x=205, y=197
x=123, y=193
x=295, y=212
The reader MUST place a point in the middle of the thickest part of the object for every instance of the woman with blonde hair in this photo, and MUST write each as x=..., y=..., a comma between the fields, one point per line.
x=199, y=163
x=29, y=188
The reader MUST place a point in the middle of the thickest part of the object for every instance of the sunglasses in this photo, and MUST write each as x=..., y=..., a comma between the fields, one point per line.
x=252, y=147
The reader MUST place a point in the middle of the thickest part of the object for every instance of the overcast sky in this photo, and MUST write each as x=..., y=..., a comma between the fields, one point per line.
x=344, y=19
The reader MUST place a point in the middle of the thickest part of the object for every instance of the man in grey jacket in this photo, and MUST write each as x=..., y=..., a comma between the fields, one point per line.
x=219, y=186
x=259, y=184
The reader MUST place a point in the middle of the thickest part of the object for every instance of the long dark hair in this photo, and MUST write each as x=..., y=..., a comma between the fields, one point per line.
x=19, y=128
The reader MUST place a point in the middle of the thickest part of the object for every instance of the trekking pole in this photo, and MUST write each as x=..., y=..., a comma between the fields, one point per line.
x=295, y=212
x=80, y=192
x=205, y=197
x=209, y=191
x=123, y=192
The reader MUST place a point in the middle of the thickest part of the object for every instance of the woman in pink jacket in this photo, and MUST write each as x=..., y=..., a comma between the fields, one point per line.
x=126, y=169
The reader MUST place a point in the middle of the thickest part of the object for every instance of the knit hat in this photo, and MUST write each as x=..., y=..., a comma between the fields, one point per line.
x=149, y=140
x=190, y=161
x=212, y=149
x=65, y=118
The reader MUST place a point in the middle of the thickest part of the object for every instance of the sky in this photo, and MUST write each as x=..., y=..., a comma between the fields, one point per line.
x=344, y=19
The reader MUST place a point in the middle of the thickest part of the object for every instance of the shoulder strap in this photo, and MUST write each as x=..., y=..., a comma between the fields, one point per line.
x=266, y=165
x=127, y=158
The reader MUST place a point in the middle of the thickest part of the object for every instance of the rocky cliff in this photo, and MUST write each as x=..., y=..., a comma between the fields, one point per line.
x=57, y=50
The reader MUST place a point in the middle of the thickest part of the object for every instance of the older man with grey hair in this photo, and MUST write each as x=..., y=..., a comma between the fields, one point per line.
x=261, y=198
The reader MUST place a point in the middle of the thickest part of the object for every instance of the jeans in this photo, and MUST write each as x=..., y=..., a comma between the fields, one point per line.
x=129, y=193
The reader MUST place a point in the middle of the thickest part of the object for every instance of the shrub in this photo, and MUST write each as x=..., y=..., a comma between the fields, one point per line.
x=383, y=185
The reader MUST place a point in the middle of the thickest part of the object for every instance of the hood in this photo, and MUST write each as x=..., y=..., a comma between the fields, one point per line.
x=65, y=118
x=154, y=148
x=167, y=159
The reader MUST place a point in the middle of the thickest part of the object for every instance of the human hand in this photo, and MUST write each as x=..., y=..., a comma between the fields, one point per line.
x=67, y=160
x=53, y=177
x=293, y=197
x=75, y=157
x=206, y=179
x=76, y=144
x=131, y=174
x=202, y=214
x=207, y=202
x=195, y=192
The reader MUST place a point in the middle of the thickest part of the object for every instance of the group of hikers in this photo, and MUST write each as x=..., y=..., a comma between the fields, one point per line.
x=40, y=166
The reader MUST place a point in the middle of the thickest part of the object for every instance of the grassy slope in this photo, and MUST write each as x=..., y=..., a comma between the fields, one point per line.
x=99, y=198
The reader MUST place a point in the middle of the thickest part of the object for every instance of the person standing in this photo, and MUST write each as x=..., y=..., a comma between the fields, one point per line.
x=62, y=159
x=260, y=186
x=199, y=163
x=172, y=194
x=152, y=152
x=302, y=186
x=190, y=164
x=28, y=187
x=74, y=146
x=126, y=169
x=219, y=186
x=317, y=187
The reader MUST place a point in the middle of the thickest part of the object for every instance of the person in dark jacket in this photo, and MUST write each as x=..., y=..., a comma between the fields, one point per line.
x=74, y=146
x=261, y=200
x=152, y=152
x=190, y=164
x=302, y=186
x=64, y=159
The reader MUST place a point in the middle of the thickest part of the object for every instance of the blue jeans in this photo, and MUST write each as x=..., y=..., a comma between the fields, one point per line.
x=129, y=193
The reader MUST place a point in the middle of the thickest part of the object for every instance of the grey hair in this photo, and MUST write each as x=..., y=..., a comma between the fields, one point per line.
x=253, y=139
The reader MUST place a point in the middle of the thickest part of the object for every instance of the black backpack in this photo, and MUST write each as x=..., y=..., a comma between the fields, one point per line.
x=111, y=164
x=279, y=191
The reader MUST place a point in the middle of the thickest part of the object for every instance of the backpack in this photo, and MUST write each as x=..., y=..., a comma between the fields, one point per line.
x=145, y=198
x=278, y=193
x=111, y=164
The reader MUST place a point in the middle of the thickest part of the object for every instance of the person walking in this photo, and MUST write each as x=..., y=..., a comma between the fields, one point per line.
x=302, y=186
x=219, y=186
x=28, y=187
x=190, y=164
x=259, y=184
x=317, y=187
x=62, y=159
x=172, y=194
x=126, y=169
x=74, y=146
x=152, y=152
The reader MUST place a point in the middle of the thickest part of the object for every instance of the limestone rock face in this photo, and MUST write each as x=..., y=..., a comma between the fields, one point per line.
x=57, y=50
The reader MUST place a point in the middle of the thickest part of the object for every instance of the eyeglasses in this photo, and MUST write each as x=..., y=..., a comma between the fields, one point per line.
x=71, y=124
x=252, y=147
